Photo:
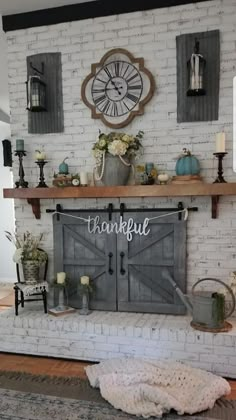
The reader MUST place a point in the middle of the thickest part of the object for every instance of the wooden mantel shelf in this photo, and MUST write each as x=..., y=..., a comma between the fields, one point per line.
x=33, y=195
x=171, y=190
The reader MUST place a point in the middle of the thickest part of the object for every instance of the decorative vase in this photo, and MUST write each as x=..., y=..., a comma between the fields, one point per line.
x=63, y=167
x=30, y=271
x=114, y=170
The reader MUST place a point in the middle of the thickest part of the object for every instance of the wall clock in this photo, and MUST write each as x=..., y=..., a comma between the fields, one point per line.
x=117, y=88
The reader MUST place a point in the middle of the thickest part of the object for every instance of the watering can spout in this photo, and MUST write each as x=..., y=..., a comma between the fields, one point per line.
x=184, y=298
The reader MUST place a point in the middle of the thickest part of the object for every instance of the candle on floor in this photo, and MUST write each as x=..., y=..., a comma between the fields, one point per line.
x=83, y=179
x=220, y=142
x=61, y=278
x=19, y=145
x=84, y=280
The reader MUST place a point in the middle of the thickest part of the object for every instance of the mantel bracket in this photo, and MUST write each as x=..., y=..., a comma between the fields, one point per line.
x=214, y=206
x=35, y=203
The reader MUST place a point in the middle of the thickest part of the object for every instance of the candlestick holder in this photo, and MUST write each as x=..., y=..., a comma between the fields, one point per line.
x=85, y=304
x=41, y=164
x=220, y=157
x=21, y=183
x=60, y=295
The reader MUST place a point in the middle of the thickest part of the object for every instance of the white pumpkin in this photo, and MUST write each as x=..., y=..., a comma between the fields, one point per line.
x=40, y=155
x=163, y=178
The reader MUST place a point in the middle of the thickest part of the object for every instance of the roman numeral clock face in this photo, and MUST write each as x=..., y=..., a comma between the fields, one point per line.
x=117, y=88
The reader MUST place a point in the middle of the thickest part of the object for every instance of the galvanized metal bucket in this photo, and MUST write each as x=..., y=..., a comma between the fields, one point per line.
x=208, y=308
x=115, y=171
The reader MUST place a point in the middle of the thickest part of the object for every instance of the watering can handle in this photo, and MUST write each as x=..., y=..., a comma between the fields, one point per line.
x=226, y=286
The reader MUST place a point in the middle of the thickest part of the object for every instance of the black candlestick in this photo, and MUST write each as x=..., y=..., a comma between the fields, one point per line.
x=21, y=183
x=220, y=178
x=42, y=183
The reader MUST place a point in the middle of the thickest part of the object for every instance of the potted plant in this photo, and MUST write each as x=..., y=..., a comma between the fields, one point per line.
x=112, y=153
x=28, y=254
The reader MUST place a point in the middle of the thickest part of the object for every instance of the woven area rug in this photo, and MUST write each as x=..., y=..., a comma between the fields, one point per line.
x=29, y=397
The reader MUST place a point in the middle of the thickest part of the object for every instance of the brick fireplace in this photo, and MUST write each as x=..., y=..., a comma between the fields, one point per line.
x=210, y=243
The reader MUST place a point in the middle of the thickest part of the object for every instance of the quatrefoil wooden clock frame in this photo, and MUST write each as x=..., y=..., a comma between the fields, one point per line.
x=118, y=88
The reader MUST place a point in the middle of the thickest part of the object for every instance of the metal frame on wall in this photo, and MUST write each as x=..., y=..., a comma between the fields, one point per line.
x=206, y=107
x=51, y=120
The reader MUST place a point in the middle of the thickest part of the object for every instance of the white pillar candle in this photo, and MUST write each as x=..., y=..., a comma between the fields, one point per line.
x=84, y=280
x=83, y=178
x=61, y=277
x=220, y=142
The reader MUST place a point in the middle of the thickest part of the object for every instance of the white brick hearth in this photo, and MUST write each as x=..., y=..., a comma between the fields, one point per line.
x=104, y=335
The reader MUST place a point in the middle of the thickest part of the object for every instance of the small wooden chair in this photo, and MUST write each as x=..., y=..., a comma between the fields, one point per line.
x=25, y=290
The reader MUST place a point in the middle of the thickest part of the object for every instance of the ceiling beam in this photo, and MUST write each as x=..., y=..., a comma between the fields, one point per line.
x=82, y=11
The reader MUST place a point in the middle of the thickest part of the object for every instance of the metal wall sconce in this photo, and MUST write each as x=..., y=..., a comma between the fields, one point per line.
x=198, y=76
x=36, y=91
x=44, y=93
x=196, y=65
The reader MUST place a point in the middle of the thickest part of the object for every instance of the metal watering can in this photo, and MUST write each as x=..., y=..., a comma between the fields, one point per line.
x=208, y=308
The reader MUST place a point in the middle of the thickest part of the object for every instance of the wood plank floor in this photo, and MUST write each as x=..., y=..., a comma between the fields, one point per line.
x=42, y=365
x=56, y=367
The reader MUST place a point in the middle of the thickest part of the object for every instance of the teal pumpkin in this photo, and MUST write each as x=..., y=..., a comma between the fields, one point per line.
x=63, y=167
x=187, y=165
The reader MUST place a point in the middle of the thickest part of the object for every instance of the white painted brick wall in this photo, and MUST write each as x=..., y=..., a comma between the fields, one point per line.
x=151, y=34
x=103, y=335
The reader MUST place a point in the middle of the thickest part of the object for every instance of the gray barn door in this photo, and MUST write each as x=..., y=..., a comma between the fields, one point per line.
x=142, y=263
x=78, y=253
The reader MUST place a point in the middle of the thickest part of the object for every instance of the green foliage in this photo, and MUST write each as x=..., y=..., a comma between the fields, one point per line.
x=27, y=247
x=87, y=288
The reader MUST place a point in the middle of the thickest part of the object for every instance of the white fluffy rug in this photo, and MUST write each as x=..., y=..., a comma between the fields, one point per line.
x=150, y=388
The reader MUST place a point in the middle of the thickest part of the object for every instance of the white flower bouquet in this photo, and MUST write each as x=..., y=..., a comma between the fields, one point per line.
x=117, y=144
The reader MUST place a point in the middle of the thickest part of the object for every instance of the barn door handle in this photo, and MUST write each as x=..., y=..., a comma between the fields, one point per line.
x=122, y=270
x=110, y=271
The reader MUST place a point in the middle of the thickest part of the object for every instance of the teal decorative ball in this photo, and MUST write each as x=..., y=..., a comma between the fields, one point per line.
x=187, y=165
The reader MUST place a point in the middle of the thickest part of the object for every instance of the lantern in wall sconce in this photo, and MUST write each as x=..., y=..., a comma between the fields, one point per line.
x=36, y=91
x=196, y=65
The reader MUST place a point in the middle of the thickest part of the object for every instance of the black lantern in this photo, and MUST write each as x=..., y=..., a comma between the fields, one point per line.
x=36, y=91
x=196, y=66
